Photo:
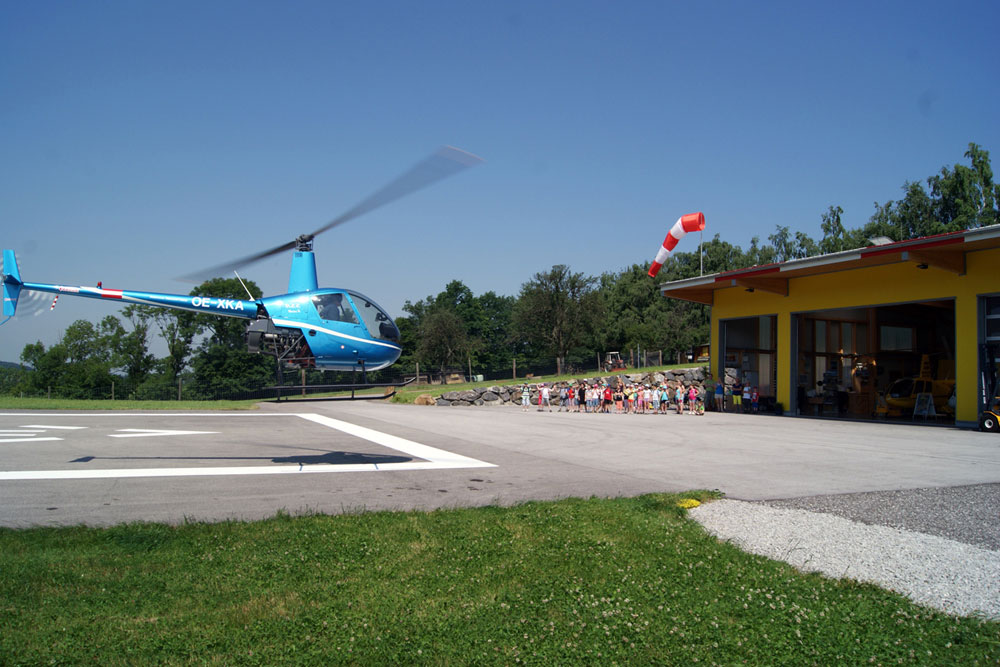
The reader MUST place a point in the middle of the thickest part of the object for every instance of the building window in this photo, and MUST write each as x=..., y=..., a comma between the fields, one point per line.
x=895, y=339
x=992, y=311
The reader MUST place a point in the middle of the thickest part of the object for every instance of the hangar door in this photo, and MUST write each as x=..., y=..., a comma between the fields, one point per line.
x=749, y=353
x=892, y=362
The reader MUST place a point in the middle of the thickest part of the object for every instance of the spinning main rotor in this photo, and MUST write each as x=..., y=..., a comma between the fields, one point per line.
x=444, y=162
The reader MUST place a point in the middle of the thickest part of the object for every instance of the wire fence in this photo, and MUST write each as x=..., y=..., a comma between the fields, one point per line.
x=305, y=382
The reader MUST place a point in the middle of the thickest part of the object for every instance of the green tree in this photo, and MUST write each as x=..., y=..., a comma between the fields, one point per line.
x=130, y=348
x=178, y=330
x=11, y=376
x=496, y=348
x=783, y=244
x=555, y=310
x=834, y=235
x=444, y=340
x=635, y=313
x=223, y=330
x=486, y=322
x=963, y=197
x=222, y=366
x=805, y=246
x=78, y=366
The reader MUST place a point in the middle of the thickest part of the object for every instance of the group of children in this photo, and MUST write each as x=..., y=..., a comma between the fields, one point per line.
x=620, y=399
x=745, y=397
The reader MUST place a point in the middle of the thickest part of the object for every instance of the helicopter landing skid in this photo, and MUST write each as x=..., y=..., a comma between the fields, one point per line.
x=290, y=389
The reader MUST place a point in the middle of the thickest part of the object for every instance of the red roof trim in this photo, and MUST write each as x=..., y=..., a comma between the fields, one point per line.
x=911, y=245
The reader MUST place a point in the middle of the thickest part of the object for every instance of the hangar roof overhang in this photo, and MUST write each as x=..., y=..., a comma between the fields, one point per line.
x=942, y=251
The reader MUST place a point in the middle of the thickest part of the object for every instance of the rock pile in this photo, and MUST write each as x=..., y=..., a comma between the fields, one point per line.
x=510, y=394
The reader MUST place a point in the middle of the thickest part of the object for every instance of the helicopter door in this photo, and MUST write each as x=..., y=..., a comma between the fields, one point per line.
x=335, y=307
x=377, y=321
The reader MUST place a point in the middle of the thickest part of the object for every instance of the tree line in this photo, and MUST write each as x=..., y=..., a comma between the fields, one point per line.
x=559, y=317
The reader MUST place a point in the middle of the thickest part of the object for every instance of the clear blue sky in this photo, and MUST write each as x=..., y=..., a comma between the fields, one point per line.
x=140, y=141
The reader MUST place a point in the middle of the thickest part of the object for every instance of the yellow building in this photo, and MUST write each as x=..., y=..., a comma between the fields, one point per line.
x=860, y=332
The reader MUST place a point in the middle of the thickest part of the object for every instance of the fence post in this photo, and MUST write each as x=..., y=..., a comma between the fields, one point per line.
x=178, y=389
x=515, y=368
x=112, y=390
x=303, y=381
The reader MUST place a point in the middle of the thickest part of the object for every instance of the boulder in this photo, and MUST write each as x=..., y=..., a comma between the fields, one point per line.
x=490, y=395
x=442, y=401
x=460, y=403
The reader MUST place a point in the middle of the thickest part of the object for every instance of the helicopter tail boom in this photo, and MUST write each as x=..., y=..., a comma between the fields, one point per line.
x=11, y=283
x=196, y=304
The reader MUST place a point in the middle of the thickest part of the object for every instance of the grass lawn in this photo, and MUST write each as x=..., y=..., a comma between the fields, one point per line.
x=15, y=403
x=598, y=581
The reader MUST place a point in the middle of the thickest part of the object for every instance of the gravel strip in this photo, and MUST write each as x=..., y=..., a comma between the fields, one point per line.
x=945, y=574
x=969, y=514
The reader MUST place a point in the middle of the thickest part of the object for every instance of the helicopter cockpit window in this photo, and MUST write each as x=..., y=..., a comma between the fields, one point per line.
x=334, y=308
x=378, y=322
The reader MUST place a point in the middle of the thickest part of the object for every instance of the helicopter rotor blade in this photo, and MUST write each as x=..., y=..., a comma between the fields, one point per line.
x=229, y=267
x=442, y=163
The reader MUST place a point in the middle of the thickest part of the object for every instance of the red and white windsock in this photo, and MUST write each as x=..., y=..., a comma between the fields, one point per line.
x=54, y=301
x=692, y=222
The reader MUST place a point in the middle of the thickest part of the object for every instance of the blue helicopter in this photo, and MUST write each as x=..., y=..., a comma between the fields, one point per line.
x=309, y=327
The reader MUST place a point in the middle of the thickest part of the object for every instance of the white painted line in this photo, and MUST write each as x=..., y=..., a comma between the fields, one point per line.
x=148, y=432
x=393, y=442
x=64, y=428
x=20, y=431
x=234, y=470
x=435, y=458
x=155, y=413
x=6, y=440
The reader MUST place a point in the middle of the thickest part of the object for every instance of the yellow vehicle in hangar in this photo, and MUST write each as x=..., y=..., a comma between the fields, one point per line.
x=901, y=396
x=900, y=399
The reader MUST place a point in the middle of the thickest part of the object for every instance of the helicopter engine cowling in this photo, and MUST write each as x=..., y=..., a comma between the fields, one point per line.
x=286, y=344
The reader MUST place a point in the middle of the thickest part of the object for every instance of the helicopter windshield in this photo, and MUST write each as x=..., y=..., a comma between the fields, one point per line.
x=378, y=322
x=334, y=308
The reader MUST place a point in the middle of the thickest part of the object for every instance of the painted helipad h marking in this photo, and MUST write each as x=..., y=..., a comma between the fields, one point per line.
x=399, y=444
x=24, y=434
x=149, y=432
x=435, y=459
x=4, y=441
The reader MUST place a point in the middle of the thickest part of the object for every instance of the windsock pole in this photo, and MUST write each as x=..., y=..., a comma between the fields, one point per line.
x=692, y=222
